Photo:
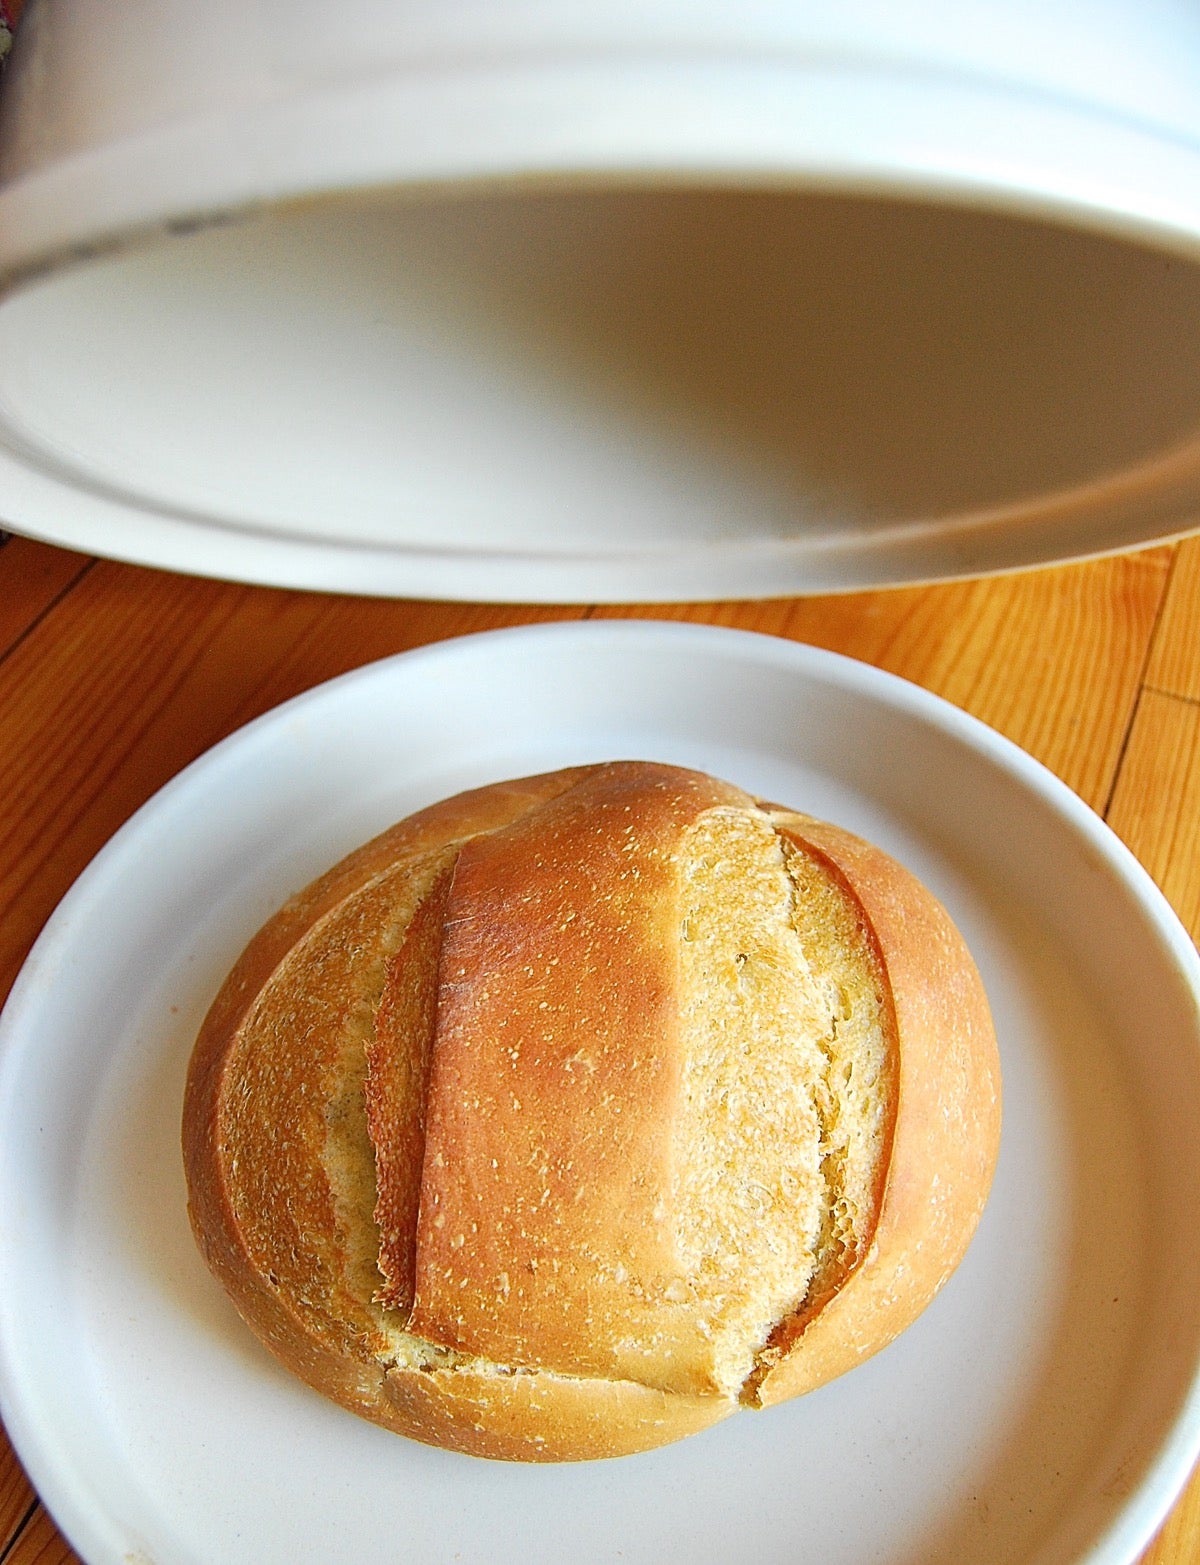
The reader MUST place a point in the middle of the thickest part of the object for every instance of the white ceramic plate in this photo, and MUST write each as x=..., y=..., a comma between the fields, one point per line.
x=1045, y=1408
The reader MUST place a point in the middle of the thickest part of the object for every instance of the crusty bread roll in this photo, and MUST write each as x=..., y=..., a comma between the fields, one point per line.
x=573, y=1113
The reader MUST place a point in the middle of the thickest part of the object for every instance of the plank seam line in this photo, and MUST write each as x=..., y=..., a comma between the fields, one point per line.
x=1141, y=687
x=33, y=625
x=19, y=1530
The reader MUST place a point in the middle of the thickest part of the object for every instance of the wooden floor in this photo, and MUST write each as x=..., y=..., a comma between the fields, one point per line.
x=112, y=678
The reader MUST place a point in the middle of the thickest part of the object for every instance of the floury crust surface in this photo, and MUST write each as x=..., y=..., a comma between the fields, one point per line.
x=576, y=1112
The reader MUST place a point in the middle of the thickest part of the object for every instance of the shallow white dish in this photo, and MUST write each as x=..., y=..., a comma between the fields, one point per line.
x=1044, y=1409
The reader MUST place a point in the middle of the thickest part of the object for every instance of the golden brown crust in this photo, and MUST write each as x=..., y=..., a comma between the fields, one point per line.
x=534, y=1418
x=499, y=975
x=947, y=1130
x=559, y=992
x=260, y=1204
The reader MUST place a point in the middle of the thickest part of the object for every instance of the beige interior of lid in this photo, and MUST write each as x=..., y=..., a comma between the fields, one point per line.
x=613, y=372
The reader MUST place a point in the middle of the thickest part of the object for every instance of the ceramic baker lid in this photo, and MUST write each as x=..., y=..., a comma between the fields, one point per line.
x=528, y=299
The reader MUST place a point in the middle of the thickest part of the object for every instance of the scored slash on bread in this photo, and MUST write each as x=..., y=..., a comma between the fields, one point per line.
x=573, y=1113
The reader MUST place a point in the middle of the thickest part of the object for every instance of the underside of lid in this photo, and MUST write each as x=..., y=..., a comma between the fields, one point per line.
x=614, y=392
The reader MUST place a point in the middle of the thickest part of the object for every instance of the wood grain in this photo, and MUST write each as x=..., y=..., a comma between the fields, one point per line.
x=95, y=723
x=32, y=579
x=41, y=1543
x=1156, y=803
x=1052, y=659
x=16, y=1495
x=1175, y=658
x=112, y=678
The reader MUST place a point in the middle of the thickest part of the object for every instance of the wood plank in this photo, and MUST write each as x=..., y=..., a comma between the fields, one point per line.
x=41, y=1543
x=96, y=724
x=1053, y=658
x=16, y=1496
x=32, y=576
x=1156, y=803
x=1175, y=658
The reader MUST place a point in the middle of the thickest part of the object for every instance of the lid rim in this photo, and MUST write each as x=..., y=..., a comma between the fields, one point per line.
x=855, y=125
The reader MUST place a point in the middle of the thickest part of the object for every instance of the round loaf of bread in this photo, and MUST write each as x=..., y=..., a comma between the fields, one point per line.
x=574, y=1113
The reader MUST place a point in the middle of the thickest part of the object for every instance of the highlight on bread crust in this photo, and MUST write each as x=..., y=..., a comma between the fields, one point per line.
x=573, y=1113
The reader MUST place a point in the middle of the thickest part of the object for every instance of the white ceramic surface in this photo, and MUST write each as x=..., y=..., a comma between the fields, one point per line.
x=1044, y=1409
x=537, y=299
